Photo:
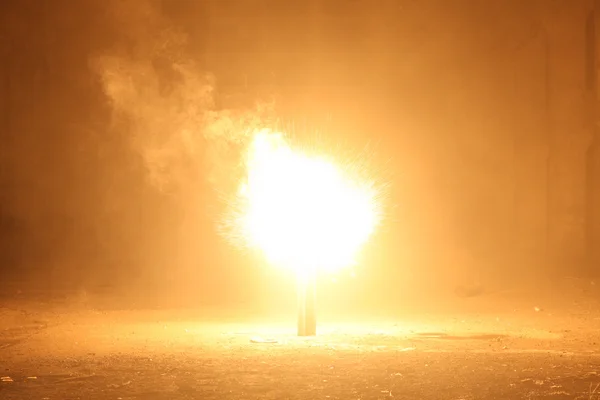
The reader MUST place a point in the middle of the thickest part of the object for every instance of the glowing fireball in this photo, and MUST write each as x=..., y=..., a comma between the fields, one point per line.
x=302, y=211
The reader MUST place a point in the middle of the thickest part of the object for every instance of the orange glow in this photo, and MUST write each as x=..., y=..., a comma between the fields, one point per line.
x=304, y=212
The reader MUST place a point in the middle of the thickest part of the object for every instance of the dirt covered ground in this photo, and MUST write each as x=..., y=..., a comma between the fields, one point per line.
x=516, y=345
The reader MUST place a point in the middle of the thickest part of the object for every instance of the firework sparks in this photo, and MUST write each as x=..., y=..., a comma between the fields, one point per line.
x=303, y=212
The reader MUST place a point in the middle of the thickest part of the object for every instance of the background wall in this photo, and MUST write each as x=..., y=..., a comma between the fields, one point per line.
x=482, y=108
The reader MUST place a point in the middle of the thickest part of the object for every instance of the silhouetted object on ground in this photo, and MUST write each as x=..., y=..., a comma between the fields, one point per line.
x=307, y=299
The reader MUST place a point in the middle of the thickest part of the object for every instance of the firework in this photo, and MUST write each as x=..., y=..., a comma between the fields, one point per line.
x=302, y=210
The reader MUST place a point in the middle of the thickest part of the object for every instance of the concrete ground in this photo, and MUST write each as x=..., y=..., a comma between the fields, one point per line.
x=504, y=346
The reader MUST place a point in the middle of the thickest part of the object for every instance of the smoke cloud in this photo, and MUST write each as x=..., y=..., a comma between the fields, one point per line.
x=189, y=144
x=166, y=103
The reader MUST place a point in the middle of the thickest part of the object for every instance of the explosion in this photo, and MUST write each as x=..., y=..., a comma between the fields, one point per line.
x=302, y=211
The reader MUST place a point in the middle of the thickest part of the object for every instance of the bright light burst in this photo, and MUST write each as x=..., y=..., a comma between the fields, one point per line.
x=303, y=212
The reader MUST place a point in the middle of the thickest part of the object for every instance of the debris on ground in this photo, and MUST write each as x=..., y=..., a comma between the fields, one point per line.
x=115, y=385
x=257, y=339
